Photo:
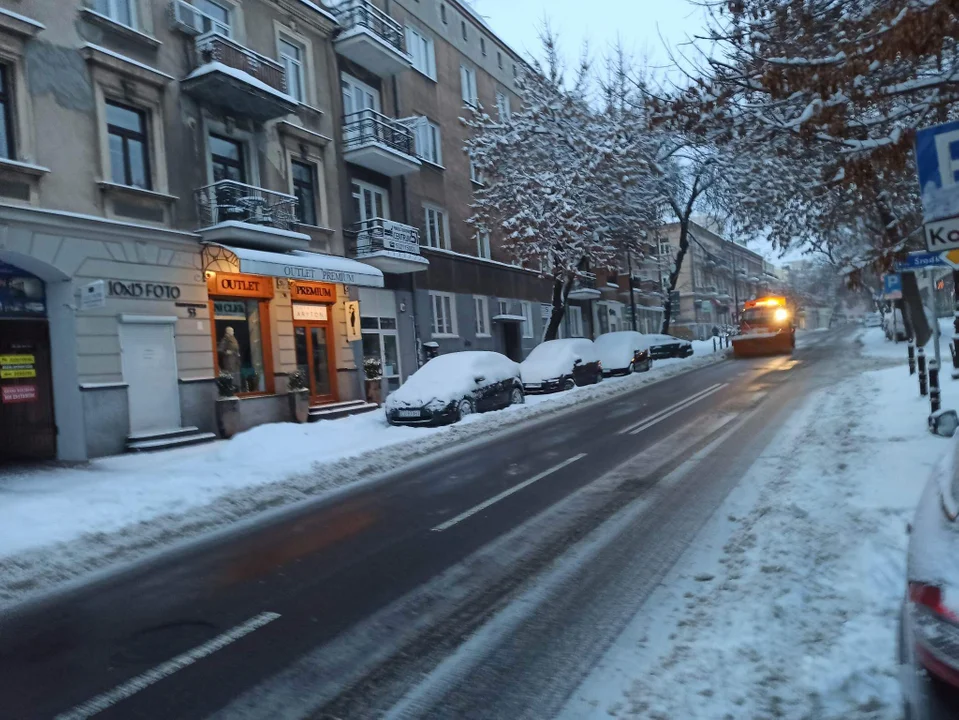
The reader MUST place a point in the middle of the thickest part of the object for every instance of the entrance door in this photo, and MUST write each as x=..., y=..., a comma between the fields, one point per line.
x=27, y=428
x=148, y=353
x=511, y=342
x=315, y=359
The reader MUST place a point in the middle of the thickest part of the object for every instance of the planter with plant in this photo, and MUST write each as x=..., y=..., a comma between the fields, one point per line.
x=299, y=395
x=227, y=406
x=373, y=369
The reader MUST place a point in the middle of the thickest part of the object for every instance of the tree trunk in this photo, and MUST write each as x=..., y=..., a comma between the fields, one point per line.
x=560, y=294
x=674, y=275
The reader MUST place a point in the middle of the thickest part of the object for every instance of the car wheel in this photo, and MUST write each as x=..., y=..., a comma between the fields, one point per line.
x=464, y=408
x=569, y=384
x=516, y=397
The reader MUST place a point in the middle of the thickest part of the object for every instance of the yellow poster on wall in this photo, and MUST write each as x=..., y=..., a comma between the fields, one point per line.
x=17, y=360
x=16, y=374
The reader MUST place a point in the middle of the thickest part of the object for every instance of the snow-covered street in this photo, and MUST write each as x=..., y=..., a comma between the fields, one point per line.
x=785, y=605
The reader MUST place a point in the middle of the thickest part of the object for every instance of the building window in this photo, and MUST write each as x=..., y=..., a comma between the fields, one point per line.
x=421, y=50
x=216, y=17
x=575, y=314
x=502, y=106
x=121, y=11
x=369, y=202
x=239, y=342
x=443, y=13
x=428, y=142
x=499, y=59
x=482, y=244
x=475, y=175
x=227, y=159
x=483, y=46
x=304, y=187
x=664, y=280
x=463, y=29
x=129, y=156
x=468, y=82
x=481, y=307
x=527, y=318
x=515, y=71
x=443, y=308
x=6, y=114
x=665, y=249
x=291, y=57
x=437, y=228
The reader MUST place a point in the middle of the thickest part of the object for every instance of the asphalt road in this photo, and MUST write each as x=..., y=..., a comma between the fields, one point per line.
x=470, y=586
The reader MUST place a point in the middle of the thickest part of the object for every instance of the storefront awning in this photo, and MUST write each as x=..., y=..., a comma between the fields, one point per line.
x=304, y=265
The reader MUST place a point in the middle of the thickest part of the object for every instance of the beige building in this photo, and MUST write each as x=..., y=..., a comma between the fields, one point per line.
x=169, y=212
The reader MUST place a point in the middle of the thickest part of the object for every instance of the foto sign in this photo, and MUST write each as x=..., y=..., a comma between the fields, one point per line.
x=892, y=286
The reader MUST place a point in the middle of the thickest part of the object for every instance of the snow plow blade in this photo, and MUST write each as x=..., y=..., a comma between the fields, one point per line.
x=758, y=345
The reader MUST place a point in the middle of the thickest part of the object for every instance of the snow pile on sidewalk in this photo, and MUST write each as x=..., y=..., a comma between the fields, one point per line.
x=796, y=615
x=59, y=523
x=875, y=344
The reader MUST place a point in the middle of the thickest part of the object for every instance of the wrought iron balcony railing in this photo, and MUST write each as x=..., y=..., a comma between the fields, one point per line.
x=378, y=234
x=228, y=200
x=368, y=126
x=214, y=47
x=584, y=281
x=364, y=14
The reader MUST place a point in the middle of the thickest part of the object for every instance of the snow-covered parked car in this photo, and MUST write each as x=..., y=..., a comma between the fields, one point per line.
x=893, y=325
x=450, y=387
x=623, y=352
x=929, y=621
x=872, y=319
x=667, y=346
x=561, y=365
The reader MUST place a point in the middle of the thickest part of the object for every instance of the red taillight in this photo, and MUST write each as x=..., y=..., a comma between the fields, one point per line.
x=930, y=596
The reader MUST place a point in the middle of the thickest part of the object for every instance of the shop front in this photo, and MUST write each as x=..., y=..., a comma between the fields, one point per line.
x=314, y=339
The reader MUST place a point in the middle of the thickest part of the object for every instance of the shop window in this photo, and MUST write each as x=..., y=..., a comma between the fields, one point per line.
x=304, y=187
x=129, y=154
x=6, y=114
x=120, y=11
x=380, y=341
x=239, y=343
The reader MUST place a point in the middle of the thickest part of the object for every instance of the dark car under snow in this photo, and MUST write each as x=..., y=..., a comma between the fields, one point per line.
x=667, y=346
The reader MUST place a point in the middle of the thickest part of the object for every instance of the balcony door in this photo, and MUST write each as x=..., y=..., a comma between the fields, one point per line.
x=370, y=201
x=358, y=98
x=227, y=159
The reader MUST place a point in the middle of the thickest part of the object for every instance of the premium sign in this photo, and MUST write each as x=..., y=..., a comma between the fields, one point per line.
x=10, y=394
x=313, y=292
x=371, y=278
x=147, y=291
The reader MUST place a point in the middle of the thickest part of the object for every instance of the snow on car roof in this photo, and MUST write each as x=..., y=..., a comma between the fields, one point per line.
x=453, y=376
x=616, y=349
x=555, y=358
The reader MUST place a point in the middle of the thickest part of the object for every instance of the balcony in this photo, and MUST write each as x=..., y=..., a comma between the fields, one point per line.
x=389, y=246
x=371, y=38
x=237, y=80
x=584, y=287
x=379, y=143
x=234, y=213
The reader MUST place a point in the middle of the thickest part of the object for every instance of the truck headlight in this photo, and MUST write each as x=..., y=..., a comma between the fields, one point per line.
x=781, y=315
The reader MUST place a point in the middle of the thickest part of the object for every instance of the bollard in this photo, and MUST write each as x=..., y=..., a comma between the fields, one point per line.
x=714, y=343
x=921, y=361
x=912, y=357
x=934, y=394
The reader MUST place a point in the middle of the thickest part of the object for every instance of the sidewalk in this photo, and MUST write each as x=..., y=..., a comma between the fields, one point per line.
x=57, y=524
x=786, y=604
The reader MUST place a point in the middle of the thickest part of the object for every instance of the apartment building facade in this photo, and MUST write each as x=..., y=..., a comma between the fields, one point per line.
x=169, y=212
x=716, y=278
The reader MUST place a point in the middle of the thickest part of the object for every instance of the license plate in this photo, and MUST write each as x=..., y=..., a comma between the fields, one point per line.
x=534, y=386
x=409, y=413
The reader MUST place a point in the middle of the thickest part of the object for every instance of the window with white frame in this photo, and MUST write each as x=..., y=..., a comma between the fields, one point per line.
x=502, y=308
x=437, y=228
x=575, y=314
x=443, y=310
x=665, y=248
x=429, y=146
x=502, y=106
x=292, y=57
x=468, y=82
x=420, y=47
x=481, y=309
x=121, y=11
x=475, y=175
x=215, y=16
x=482, y=244
x=527, y=318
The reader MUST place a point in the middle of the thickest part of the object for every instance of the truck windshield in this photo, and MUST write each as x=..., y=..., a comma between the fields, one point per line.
x=760, y=316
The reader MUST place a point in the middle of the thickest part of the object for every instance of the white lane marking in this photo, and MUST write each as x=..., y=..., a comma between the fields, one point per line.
x=506, y=493
x=680, y=404
x=692, y=401
x=154, y=675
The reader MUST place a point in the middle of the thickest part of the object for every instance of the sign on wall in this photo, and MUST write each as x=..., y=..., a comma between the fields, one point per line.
x=10, y=394
x=314, y=313
x=93, y=295
x=353, y=330
x=312, y=292
x=892, y=286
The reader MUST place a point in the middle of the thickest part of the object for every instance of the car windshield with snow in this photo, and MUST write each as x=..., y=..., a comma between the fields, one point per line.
x=623, y=352
x=450, y=387
x=667, y=346
x=561, y=365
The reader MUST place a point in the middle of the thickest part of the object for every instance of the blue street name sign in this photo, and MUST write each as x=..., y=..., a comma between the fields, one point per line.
x=920, y=260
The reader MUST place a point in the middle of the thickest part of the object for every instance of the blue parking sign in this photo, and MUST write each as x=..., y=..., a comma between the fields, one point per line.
x=937, y=163
x=892, y=286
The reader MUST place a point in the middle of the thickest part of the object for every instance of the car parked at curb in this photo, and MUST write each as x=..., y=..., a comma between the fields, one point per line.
x=928, y=637
x=667, y=346
x=561, y=365
x=893, y=326
x=623, y=352
x=452, y=386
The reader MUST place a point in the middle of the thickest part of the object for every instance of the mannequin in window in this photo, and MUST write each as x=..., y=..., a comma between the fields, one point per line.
x=229, y=350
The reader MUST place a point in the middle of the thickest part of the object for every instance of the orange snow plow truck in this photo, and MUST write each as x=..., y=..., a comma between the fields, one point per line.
x=765, y=328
